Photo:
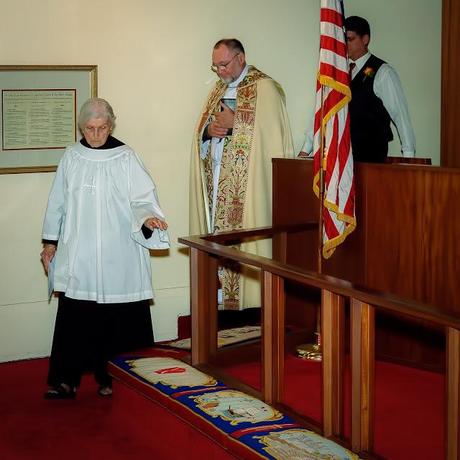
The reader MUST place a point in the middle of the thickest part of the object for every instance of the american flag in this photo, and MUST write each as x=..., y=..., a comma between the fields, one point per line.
x=331, y=142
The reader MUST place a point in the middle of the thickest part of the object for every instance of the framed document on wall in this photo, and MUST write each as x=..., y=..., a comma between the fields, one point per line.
x=38, y=116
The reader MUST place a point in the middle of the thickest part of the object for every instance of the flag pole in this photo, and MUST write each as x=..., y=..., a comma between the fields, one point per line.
x=321, y=186
x=333, y=181
x=313, y=351
x=316, y=351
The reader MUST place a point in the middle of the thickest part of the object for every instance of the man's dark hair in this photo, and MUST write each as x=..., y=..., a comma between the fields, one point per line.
x=358, y=25
x=231, y=43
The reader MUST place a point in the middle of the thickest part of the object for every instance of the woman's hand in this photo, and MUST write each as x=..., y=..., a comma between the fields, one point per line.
x=154, y=222
x=49, y=250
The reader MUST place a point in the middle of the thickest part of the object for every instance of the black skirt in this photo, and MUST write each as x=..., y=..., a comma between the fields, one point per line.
x=87, y=335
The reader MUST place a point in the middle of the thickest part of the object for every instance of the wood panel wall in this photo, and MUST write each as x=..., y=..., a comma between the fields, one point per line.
x=406, y=243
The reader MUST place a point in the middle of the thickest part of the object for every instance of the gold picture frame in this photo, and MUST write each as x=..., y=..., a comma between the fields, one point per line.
x=39, y=105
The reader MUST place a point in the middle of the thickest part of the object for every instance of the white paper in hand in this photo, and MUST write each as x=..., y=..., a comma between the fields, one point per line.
x=51, y=267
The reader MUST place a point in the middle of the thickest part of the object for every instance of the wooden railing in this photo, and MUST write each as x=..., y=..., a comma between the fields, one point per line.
x=205, y=252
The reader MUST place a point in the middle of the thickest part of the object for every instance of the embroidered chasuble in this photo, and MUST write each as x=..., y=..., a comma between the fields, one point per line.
x=243, y=198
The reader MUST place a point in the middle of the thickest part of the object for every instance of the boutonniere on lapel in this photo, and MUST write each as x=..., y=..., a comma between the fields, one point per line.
x=369, y=72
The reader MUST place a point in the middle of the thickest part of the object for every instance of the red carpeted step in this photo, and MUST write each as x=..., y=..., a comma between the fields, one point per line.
x=124, y=427
x=409, y=409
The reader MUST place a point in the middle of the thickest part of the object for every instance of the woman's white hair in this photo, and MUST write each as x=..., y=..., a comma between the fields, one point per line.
x=96, y=108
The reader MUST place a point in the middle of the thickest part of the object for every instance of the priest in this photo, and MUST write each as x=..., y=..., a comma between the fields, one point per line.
x=243, y=125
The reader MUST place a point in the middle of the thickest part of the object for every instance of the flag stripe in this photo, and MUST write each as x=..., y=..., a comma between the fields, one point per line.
x=334, y=45
x=330, y=14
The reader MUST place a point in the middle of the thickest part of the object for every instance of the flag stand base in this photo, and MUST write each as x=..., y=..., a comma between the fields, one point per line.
x=310, y=351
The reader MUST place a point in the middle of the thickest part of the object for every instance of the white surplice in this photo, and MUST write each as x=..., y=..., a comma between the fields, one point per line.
x=97, y=206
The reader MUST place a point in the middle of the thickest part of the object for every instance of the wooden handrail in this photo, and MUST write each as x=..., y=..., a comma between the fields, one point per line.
x=205, y=253
x=441, y=315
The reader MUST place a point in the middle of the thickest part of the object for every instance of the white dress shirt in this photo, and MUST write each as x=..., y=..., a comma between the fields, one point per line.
x=387, y=87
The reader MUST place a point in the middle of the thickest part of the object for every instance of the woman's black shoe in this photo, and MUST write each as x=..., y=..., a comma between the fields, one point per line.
x=105, y=390
x=62, y=391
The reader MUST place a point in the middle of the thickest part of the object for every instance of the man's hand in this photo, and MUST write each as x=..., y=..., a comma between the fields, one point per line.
x=49, y=250
x=223, y=123
x=226, y=117
x=215, y=130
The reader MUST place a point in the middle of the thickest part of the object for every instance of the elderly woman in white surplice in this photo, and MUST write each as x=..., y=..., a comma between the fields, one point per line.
x=102, y=218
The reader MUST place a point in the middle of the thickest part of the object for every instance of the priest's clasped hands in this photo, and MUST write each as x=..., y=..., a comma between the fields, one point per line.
x=223, y=123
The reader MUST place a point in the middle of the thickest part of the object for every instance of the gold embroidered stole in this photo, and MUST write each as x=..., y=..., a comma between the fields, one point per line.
x=212, y=107
x=233, y=178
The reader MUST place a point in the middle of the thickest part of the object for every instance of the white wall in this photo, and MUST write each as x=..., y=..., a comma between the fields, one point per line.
x=407, y=34
x=153, y=59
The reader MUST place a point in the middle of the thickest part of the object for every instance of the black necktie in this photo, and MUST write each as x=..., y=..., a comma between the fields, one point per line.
x=351, y=66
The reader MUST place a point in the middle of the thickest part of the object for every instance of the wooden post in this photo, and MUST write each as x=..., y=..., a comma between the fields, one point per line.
x=203, y=298
x=453, y=394
x=273, y=338
x=362, y=375
x=280, y=247
x=332, y=345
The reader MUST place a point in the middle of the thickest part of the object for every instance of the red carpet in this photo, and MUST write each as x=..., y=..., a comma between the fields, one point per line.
x=409, y=405
x=126, y=426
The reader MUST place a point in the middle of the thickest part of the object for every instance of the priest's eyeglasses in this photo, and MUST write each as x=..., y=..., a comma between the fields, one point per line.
x=216, y=67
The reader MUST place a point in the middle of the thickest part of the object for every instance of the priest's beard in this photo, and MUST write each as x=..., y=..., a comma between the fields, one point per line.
x=227, y=80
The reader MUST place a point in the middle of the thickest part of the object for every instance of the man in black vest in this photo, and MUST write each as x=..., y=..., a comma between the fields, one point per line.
x=377, y=99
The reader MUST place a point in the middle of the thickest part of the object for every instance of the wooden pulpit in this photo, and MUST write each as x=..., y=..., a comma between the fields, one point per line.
x=406, y=243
